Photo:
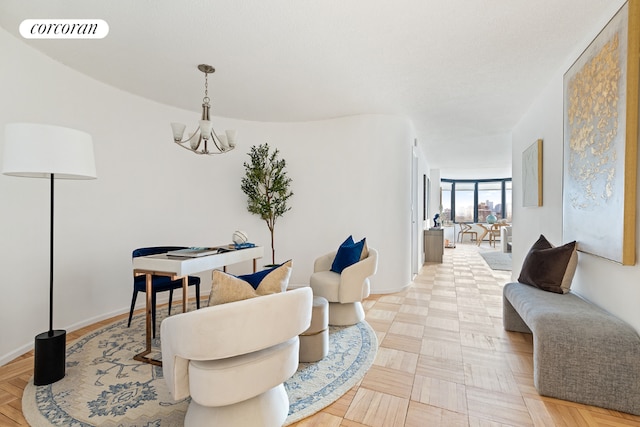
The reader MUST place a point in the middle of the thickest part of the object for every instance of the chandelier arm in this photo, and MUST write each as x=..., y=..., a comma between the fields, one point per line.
x=202, y=152
x=216, y=141
x=188, y=139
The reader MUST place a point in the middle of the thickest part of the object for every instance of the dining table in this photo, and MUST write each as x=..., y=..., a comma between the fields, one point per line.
x=492, y=230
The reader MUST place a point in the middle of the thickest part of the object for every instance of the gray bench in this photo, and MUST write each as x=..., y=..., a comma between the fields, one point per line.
x=581, y=353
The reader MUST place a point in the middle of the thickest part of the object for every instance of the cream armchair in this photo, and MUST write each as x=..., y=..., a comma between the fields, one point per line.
x=232, y=359
x=345, y=291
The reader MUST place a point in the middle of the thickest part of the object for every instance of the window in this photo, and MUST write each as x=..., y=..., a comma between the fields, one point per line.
x=474, y=200
x=445, y=202
x=464, y=202
x=489, y=200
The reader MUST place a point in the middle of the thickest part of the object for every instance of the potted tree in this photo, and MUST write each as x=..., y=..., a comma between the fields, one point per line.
x=266, y=185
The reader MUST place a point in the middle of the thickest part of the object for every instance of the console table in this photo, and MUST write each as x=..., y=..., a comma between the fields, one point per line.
x=433, y=245
x=179, y=267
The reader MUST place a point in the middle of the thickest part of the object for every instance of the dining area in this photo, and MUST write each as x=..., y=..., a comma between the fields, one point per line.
x=478, y=232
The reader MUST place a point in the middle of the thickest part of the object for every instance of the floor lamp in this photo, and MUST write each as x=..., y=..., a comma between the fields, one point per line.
x=53, y=152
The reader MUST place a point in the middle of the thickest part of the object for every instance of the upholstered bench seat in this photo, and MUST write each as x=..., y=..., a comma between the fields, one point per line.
x=581, y=352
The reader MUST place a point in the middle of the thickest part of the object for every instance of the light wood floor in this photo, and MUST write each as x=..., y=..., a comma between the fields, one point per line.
x=444, y=360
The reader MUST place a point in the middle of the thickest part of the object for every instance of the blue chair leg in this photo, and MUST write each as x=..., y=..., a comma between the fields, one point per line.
x=198, y=295
x=133, y=304
x=170, y=301
x=153, y=310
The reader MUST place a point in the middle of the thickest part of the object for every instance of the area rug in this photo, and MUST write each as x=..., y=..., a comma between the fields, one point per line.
x=104, y=386
x=497, y=260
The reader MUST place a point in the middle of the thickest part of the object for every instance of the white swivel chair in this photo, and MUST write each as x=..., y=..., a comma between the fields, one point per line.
x=232, y=359
x=344, y=291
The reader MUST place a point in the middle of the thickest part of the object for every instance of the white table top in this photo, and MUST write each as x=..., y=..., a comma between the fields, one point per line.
x=185, y=266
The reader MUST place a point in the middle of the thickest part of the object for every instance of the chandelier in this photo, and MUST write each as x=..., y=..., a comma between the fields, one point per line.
x=205, y=140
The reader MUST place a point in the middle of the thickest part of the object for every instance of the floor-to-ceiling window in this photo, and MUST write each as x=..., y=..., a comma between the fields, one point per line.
x=464, y=201
x=471, y=200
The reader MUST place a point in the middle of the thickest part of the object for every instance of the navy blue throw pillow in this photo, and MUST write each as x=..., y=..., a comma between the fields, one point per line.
x=348, y=254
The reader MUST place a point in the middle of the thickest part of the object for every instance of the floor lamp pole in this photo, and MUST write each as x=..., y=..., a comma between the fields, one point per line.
x=51, y=264
x=50, y=346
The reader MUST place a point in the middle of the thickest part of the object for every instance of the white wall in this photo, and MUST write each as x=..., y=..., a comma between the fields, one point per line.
x=350, y=176
x=612, y=286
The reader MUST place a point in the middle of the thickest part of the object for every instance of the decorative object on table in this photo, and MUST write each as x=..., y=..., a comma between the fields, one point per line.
x=159, y=283
x=436, y=221
x=600, y=141
x=53, y=152
x=491, y=219
x=267, y=187
x=110, y=387
x=205, y=140
x=239, y=237
x=342, y=277
x=242, y=245
x=532, y=175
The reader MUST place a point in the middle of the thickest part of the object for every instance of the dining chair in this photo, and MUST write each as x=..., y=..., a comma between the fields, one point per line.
x=159, y=283
x=494, y=232
x=467, y=229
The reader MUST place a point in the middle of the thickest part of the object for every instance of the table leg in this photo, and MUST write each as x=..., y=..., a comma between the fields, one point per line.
x=185, y=292
x=142, y=357
x=255, y=264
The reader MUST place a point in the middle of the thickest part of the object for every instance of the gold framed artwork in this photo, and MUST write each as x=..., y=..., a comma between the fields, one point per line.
x=601, y=139
x=532, y=175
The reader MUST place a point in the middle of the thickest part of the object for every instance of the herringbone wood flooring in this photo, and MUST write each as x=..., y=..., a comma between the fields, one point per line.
x=444, y=360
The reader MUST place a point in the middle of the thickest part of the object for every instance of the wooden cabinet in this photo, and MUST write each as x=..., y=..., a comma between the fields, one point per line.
x=433, y=245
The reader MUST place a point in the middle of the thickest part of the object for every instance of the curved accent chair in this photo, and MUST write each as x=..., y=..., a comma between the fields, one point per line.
x=344, y=291
x=233, y=358
x=159, y=283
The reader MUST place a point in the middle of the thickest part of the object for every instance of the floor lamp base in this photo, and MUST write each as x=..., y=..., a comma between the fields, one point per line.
x=49, y=358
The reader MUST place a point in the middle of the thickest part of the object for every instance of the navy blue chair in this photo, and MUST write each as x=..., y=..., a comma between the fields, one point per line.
x=159, y=283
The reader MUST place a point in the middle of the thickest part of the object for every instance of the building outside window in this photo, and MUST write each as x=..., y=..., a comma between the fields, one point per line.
x=474, y=200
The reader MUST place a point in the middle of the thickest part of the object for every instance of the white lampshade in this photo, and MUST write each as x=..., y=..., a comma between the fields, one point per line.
x=178, y=130
x=205, y=128
x=35, y=150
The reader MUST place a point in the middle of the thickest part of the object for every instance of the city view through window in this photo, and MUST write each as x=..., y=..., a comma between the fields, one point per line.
x=473, y=201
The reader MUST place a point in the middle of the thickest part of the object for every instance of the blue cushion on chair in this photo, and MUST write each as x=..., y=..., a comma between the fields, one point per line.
x=348, y=254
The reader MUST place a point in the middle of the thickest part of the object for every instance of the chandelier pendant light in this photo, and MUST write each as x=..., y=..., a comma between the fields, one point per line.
x=205, y=140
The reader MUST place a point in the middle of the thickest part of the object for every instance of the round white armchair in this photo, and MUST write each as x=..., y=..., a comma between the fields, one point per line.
x=344, y=291
x=232, y=359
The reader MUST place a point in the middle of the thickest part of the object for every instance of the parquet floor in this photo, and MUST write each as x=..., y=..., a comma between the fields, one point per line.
x=444, y=360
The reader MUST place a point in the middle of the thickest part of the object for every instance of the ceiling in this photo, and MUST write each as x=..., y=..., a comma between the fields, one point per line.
x=463, y=71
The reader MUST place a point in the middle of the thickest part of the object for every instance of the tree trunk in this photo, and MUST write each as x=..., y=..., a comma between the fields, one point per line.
x=273, y=248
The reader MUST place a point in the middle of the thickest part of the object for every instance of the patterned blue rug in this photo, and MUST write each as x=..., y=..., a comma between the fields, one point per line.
x=104, y=386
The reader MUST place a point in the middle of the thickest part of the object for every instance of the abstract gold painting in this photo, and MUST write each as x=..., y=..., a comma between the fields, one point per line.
x=600, y=141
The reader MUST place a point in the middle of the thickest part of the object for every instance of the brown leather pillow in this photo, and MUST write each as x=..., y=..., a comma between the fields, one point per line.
x=550, y=268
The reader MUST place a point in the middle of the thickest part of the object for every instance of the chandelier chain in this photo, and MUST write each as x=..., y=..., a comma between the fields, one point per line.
x=206, y=98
